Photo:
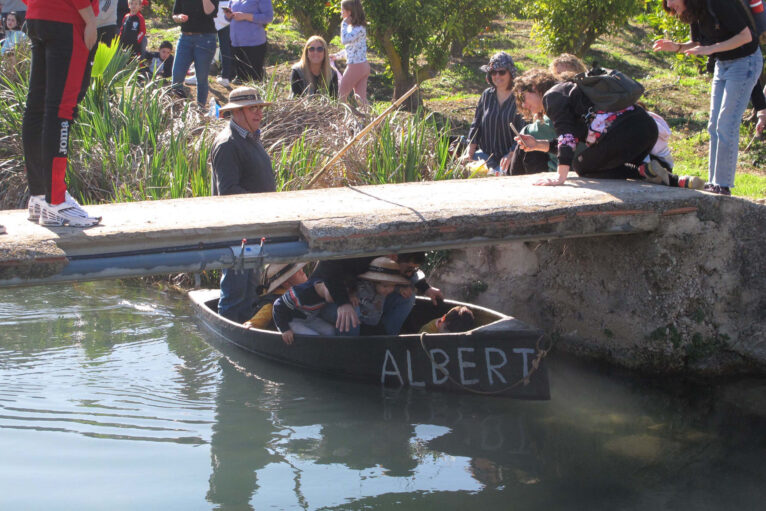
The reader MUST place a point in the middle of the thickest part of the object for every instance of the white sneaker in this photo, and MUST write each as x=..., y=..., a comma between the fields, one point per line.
x=222, y=81
x=191, y=80
x=68, y=212
x=34, y=205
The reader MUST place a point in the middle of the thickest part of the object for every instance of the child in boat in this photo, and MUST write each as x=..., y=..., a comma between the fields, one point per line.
x=457, y=319
x=277, y=279
x=373, y=286
x=297, y=311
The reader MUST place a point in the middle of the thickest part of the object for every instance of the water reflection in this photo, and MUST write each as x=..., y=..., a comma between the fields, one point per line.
x=110, y=389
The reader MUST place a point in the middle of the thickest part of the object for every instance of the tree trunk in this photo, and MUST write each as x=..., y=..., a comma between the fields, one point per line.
x=456, y=49
x=403, y=81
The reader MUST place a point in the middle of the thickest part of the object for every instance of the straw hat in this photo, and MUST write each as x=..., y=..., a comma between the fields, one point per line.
x=276, y=274
x=242, y=97
x=383, y=269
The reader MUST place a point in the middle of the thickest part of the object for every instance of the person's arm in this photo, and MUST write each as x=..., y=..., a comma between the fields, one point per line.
x=141, y=29
x=742, y=38
x=297, y=85
x=672, y=46
x=208, y=7
x=353, y=35
x=282, y=317
x=475, y=129
x=226, y=169
x=90, y=34
x=263, y=13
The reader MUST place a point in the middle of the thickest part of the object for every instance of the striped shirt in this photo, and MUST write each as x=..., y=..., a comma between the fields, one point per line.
x=490, y=128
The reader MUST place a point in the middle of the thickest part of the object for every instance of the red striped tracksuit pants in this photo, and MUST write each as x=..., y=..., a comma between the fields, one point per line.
x=58, y=79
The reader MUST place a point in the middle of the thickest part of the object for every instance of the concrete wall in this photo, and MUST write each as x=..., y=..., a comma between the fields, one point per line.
x=689, y=297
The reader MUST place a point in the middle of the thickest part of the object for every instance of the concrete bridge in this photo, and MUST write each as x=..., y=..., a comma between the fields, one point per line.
x=644, y=275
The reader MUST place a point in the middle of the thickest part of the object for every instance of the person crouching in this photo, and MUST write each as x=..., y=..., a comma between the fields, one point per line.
x=297, y=311
x=457, y=319
x=374, y=285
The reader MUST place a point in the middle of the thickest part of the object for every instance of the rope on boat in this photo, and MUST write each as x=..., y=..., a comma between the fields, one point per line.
x=541, y=354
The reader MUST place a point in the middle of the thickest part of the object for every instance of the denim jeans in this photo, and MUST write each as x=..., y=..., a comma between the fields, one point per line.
x=237, y=295
x=224, y=43
x=200, y=49
x=396, y=308
x=733, y=81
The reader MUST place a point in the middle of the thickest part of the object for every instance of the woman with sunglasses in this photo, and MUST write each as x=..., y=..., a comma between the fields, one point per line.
x=313, y=74
x=490, y=137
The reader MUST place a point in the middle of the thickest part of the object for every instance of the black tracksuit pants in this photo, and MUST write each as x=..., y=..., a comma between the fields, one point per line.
x=58, y=79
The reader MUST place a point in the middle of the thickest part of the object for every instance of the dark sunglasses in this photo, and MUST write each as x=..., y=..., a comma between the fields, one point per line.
x=500, y=72
x=320, y=49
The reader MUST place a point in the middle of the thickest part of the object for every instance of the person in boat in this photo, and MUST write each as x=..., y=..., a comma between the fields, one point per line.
x=340, y=274
x=240, y=165
x=380, y=280
x=297, y=311
x=277, y=279
x=457, y=319
x=314, y=74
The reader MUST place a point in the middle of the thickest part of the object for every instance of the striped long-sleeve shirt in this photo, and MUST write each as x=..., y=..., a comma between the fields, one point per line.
x=490, y=128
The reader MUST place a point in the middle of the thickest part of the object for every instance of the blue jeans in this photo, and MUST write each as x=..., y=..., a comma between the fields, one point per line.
x=224, y=43
x=237, y=295
x=733, y=81
x=396, y=308
x=200, y=49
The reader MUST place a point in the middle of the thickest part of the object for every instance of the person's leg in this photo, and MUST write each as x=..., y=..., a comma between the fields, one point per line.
x=239, y=59
x=396, y=308
x=32, y=124
x=224, y=43
x=628, y=141
x=320, y=326
x=302, y=327
x=738, y=78
x=182, y=61
x=360, y=87
x=236, y=300
x=66, y=58
x=204, y=51
x=257, y=56
x=353, y=73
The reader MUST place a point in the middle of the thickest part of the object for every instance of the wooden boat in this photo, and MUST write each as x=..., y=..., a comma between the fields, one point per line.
x=501, y=356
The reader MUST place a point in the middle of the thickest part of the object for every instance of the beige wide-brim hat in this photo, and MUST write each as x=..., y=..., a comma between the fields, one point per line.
x=383, y=269
x=276, y=274
x=242, y=97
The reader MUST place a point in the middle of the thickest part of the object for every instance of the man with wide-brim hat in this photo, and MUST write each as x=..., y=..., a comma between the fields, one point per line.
x=240, y=165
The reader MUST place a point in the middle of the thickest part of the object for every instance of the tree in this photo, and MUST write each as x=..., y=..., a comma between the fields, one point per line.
x=416, y=36
x=572, y=26
x=314, y=17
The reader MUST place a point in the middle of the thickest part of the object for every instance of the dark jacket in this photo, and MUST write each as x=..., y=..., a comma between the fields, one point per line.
x=301, y=86
x=240, y=165
x=567, y=107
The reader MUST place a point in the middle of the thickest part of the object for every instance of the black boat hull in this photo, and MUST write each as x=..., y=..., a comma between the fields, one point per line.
x=491, y=360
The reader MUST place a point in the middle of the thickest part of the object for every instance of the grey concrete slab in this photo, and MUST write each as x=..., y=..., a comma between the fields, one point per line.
x=354, y=220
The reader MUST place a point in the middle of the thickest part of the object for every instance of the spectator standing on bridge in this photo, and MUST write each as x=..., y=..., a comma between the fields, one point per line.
x=490, y=137
x=62, y=33
x=240, y=165
x=720, y=29
x=196, y=44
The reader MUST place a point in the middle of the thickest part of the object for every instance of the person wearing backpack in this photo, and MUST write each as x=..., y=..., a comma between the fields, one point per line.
x=721, y=29
x=618, y=139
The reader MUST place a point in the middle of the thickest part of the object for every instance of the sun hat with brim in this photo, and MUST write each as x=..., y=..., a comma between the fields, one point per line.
x=242, y=97
x=276, y=274
x=500, y=60
x=383, y=269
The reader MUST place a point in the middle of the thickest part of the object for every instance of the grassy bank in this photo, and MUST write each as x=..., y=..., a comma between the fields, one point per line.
x=135, y=141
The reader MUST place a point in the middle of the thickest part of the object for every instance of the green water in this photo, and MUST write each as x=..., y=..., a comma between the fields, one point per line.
x=112, y=398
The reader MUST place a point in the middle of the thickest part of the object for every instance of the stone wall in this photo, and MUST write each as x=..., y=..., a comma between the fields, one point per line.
x=689, y=297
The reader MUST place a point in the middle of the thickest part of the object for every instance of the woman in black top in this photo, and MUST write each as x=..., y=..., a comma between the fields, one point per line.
x=618, y=143
x=721, y=29
x=197, y=43
x=490, y=137
x=313, y=74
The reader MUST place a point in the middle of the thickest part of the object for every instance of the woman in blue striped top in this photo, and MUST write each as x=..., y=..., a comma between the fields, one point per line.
x=490, y=137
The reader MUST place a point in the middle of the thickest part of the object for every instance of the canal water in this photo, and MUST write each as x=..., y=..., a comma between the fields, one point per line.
x=111, y=397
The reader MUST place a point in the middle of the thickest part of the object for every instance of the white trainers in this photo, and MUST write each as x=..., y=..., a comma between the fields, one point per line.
x=224, y=82
x=68, y=212
x=34, y=205
x=191, y=80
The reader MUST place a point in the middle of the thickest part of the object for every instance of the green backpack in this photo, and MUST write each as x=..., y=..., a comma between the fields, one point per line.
x=609, y=89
